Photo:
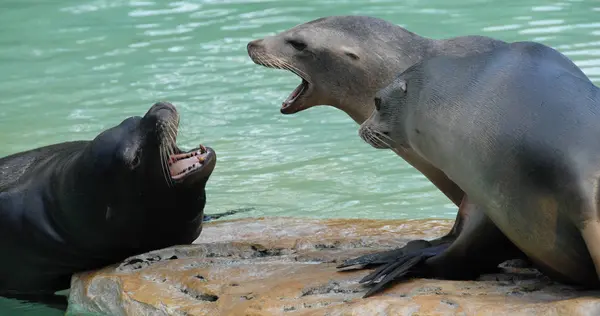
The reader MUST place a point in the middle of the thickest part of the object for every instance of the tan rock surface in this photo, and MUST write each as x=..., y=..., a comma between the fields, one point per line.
x=286, y=266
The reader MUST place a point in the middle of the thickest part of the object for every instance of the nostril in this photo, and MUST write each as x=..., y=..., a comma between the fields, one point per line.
x=162, y=108
x=165, y=105
x=386, y=133
x=253, y=44
x=377, y=103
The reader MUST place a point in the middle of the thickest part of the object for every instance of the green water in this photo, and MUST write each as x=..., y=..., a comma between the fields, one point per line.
x=71, y=68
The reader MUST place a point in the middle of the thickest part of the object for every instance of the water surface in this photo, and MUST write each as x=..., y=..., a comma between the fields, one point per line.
x=72, y=68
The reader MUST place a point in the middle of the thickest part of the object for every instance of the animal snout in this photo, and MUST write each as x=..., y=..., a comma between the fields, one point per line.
x=373, y=137
x=163, y=111
x=254, y=44
x=163, y=106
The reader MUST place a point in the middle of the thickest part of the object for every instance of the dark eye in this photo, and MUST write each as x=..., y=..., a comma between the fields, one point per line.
x=352, y=55
x=296, y=44
x=377, y=103
x=136, y=160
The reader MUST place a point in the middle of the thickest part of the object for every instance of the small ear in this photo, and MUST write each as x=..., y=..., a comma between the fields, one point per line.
x=402, y=85
x=350, y=53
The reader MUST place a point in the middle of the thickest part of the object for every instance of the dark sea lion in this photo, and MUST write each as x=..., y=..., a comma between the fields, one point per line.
x=517, y=130
x=343, y=61
x=81, y=205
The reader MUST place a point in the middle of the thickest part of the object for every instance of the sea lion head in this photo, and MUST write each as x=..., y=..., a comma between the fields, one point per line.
x=342, y=61
x=386, y=127
x=144, y=177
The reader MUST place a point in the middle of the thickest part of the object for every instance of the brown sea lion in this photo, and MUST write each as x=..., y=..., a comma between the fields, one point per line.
x=343, y=61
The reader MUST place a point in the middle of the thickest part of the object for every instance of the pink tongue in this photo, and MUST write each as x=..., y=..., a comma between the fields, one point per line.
x=294, y=94
x=181, y=165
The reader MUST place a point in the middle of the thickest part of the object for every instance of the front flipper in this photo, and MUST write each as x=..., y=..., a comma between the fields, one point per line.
x=409, y=265
x=479, y=248
x=379, y=258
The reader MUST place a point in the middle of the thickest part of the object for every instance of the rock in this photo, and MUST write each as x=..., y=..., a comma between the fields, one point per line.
x=286, y=266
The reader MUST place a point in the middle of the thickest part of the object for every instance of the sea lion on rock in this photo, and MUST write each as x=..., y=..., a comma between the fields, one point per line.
x=81, y=205
x=343, y=61
x=515, y=129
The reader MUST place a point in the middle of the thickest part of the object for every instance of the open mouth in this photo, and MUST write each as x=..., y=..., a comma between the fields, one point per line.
x=290, y=105
x=293, y=103
x=183, y=164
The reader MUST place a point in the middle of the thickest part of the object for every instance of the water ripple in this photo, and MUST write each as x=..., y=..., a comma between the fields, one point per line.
x=88, y=64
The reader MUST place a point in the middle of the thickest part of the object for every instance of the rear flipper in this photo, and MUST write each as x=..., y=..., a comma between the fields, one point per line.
x=479, y=248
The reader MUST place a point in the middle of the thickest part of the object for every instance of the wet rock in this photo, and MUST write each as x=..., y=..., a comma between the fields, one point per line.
x=285, y=266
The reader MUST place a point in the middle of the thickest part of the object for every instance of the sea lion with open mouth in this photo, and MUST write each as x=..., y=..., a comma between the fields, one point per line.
x=342, y=62
x=81, y=205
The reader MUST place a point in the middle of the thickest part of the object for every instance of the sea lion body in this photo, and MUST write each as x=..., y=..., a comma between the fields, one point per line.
x=76, y=206
x=517, y=130
x=343, y=61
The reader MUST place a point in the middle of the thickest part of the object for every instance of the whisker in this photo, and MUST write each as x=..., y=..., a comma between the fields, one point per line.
x=286, y=65
x=164, y=166
x=172, y=134
x=372, y=140
x=278, y=63
x=386, y=137
x=172, y=131
x=169, y=146
x=366, y=136
x=374, y=134
x=294, y=69
x=170, y=179
x=172, y=143
x=168, y=154
x=258, y=58
x=377, y=136
x=261, y=59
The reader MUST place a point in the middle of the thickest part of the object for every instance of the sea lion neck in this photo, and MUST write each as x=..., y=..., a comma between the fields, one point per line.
x=68, y=175
x=408, y=48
